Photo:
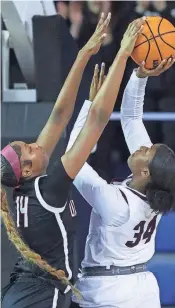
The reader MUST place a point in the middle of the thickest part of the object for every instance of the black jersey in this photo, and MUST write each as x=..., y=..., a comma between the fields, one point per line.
x=45, y=217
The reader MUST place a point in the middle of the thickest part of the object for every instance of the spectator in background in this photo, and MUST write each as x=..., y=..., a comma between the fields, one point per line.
x=155, y=8
x=62, y=8
x=159, y=96
x=82, y=17
x=111, y=144
x=76, y=18
x=160, y=92
x=167, y=104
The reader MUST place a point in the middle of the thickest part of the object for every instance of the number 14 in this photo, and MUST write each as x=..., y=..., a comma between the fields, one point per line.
x=146, y=234
x=22, y=209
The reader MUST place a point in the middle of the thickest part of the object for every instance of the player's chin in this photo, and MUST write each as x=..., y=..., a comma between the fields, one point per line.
x=132, y=161
x=129, y=161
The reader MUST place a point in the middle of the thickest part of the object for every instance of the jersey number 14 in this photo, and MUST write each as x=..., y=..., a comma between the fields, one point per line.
x=142, y=233
x=22, y=211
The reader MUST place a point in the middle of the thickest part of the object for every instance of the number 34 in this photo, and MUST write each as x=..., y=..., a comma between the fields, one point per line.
x=146, y=233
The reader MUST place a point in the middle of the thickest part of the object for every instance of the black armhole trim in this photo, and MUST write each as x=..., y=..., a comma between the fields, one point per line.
x=124, y=196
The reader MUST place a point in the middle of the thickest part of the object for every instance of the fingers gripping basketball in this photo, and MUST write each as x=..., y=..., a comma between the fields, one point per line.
x=155, y=43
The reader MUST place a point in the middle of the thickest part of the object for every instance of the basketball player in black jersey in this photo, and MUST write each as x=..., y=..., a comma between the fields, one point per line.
x=43, y=221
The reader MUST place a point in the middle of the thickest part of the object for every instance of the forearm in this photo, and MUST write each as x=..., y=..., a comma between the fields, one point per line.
x=105, y=99
x=64, y=106
x=82, y=117
x=133, y=98
x=132, y=113
x=98, y=118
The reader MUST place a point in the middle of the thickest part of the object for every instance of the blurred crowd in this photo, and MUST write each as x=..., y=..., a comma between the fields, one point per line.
x=82, y=17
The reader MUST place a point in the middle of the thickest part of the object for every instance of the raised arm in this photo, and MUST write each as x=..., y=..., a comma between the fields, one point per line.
x=97, y=81
x=132, y=114
x=102, y=107
x=132, y=106
x=64, y=105
x=96, y=191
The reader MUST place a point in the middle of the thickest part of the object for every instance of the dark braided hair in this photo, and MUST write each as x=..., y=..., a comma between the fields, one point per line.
x=160, y=191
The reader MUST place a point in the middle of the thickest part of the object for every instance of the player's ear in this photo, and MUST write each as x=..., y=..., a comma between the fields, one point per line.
x=26, y=169
x=145, y=173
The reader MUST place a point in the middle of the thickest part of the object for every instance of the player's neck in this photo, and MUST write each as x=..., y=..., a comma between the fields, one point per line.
x=137, y=184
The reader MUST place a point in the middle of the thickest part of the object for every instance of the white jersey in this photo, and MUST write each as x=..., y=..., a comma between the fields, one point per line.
x=122, y=225
x=131, y=243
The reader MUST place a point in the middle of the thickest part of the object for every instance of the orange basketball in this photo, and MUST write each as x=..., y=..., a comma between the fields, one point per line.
x=155, y=43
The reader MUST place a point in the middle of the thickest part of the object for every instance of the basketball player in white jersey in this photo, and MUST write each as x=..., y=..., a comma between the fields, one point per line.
x=125, y=215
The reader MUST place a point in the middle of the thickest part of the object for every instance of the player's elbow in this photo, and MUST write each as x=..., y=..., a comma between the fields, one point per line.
x=62, y=113
x=99, y=115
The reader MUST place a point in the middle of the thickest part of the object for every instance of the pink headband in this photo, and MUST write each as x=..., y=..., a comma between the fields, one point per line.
x=9, y=153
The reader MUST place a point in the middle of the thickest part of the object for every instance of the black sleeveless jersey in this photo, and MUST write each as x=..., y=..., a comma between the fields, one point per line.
x=45, y=217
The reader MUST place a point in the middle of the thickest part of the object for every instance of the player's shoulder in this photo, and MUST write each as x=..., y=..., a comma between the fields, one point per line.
x=27, y=188
x=128, y=192
x=135, y=193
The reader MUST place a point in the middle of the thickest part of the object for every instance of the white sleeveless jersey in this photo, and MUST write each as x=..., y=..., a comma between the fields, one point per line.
x=122, y=225
x=131, y=243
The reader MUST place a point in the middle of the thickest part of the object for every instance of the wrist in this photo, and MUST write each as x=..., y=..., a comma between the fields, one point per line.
x=139, y=82
x=123, y=53
x=91, y=98
x=84, y=53
x=140, y=74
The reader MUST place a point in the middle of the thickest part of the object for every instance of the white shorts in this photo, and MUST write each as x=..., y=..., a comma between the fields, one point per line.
x=128, y=291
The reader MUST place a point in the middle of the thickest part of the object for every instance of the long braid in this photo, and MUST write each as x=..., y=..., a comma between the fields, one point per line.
x=25, y=251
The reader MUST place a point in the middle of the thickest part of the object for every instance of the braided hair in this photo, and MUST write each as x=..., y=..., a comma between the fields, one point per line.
x=8, y=179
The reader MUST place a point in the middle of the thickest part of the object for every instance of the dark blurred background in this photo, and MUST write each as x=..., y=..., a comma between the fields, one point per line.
x=81, y=18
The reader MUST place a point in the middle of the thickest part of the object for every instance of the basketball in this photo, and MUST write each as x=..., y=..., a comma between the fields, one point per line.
x=155, y=43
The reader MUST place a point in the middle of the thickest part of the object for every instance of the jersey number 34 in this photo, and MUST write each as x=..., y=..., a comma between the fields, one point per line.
x=142, y=233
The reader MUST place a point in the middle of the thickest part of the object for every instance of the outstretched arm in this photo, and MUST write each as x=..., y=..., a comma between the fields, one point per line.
x=97, y=81
x=96, y=191
x=132, y=106
x=132, y=114
x=64, y=105
x=103, y=105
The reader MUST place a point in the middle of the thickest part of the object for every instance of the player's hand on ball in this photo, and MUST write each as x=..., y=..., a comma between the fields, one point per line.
x=142, y=72
x=131, y=35
x=96, y=40
x=97, y=81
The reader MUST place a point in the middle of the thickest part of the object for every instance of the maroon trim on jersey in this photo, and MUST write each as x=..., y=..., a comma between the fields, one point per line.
x=116, y=181
x=11, y=156
x=140, y=195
